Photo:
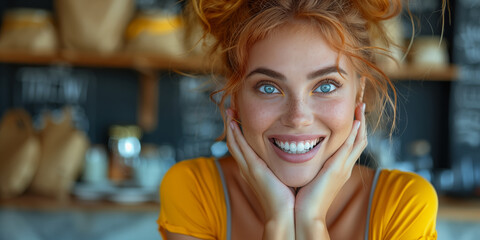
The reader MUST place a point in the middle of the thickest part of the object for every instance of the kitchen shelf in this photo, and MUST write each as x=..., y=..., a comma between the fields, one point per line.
x=192, y=64
x=424, y=72
x=111, y=60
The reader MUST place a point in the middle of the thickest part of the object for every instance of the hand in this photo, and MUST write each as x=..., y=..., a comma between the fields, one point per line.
x=275, y=197
x=313, y=200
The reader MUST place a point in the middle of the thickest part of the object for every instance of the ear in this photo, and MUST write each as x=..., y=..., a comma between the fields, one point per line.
x=362, y=89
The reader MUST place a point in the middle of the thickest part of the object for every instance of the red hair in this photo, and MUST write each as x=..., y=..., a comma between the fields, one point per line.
x=346, y=24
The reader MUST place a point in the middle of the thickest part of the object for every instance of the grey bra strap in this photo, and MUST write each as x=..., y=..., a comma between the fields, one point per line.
x=372, y=191
x=227, y=200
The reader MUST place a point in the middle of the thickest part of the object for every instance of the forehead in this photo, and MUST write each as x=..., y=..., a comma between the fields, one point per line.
x=294, y=45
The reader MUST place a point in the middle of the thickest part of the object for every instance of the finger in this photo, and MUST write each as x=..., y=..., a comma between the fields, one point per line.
x=250, y=156
x=349, y=144
x=361, y=138
x=363, y=125
x=344, y=151
x=233, y=145
x=355, y=153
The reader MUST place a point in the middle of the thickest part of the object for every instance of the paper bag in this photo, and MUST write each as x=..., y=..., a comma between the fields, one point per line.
x=63, y=152
x=19, y=153
x=28, y=30
x=93, y=25
x=156, y=32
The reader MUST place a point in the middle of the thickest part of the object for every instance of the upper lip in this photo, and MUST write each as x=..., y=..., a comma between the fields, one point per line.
x=295, y=138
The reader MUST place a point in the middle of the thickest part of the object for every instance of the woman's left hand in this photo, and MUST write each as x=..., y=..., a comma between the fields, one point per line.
x=313, y=200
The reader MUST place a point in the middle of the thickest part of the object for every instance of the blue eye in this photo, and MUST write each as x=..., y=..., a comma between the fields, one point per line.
x=326, y=88
x=268, y=89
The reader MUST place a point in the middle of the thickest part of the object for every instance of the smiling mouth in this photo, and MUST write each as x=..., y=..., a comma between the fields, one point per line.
x=300, y=147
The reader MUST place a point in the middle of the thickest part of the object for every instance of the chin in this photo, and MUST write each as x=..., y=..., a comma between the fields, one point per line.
x=296, y=179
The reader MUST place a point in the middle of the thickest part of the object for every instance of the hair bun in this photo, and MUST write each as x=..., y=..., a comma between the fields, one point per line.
x=378, y=10
x=219, y=17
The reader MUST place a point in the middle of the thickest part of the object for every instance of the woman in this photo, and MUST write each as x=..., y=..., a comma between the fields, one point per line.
x=301, y=74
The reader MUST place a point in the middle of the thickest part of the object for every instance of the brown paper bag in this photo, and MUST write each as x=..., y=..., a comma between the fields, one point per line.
x=28, y=30
x=158, y=33
x=19, y=153
x=196, y=43
x=63, y=153
x=394, y=31
x=93, y=25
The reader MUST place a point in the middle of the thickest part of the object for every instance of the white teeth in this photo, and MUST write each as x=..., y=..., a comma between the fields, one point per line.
x=293, y=147
x=300, y=147
x=296, y=148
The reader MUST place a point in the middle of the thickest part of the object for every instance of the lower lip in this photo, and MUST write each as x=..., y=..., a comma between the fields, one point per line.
x=296, y=158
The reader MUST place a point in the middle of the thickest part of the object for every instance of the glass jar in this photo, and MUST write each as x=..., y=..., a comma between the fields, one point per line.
x=124, y=145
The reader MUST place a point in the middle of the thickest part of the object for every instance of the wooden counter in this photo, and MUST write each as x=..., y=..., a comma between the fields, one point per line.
x=459, y=209
x=30, y=201
x=449, y=208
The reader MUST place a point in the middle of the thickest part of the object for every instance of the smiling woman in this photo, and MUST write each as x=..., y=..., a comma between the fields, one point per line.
x=311, y=100
x=300, y=76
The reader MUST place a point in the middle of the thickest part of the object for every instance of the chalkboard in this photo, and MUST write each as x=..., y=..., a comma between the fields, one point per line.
x=48, y=89
x=465, y=98
x=201, y=122
x=99, y=97
x=467, y=34
x=427, y=17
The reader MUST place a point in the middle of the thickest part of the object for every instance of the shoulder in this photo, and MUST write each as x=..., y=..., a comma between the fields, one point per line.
x=192, y=201
x=409, y=186
x=189, y=171
x=404, y=206
x=195, y=165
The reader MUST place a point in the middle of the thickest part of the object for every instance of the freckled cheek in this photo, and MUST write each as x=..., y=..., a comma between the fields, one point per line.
x=256, y=118
x=337, y=115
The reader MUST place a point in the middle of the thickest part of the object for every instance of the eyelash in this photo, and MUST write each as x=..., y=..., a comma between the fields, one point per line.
x=335, y=83
x=261, y=84
x=327, y=81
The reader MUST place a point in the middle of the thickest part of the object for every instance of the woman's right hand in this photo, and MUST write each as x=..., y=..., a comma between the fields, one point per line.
x=277, y=199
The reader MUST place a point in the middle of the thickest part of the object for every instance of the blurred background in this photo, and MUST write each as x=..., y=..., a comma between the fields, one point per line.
x=98, y=98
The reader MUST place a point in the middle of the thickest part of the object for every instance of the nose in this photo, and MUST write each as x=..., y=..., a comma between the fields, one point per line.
x=298, y=113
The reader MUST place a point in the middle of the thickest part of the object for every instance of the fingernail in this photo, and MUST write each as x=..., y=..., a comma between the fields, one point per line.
x=232, y=125
x=363, y=107
x=357, y=124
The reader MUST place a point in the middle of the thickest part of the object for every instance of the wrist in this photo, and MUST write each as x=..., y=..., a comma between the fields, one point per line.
x=309, y=215
x=280, y=226
x=311, y=229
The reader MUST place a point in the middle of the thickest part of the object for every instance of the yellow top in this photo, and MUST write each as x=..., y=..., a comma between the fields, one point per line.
x=404, y=205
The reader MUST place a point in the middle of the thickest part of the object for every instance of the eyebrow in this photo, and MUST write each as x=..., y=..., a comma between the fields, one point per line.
x=279, y=76
x=325, y=71
x=268, y=72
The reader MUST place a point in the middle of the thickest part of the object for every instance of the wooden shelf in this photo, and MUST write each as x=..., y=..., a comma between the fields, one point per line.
x=114, y=60
x=424, y=72
x=191, y=64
